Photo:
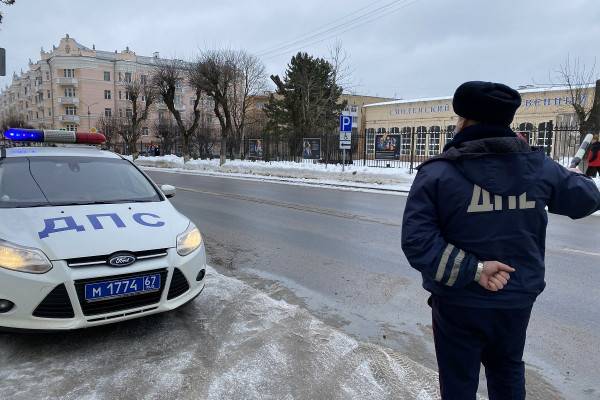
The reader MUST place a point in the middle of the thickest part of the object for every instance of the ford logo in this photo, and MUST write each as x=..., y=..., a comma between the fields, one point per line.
x=121, y=260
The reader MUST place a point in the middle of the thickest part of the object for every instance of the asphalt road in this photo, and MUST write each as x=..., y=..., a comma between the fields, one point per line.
x=337, y=254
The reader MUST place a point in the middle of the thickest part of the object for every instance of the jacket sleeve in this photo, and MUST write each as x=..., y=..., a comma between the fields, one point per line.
x=574, y=195
x=423, y=242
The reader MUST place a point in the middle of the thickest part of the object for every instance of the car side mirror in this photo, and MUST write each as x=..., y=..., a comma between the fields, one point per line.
x=168, y=191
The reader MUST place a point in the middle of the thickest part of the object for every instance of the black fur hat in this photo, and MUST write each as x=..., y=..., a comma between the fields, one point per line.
x=487, y=102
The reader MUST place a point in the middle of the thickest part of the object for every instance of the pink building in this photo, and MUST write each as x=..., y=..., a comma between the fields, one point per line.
x=72, y=86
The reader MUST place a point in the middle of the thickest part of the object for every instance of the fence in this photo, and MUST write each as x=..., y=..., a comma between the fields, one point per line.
x=405, y=149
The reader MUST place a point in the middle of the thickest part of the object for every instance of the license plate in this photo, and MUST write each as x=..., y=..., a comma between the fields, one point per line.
x=122, y=287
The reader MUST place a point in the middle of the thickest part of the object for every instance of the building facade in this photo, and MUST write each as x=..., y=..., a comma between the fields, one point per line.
x=431, y=122
x=72, y=87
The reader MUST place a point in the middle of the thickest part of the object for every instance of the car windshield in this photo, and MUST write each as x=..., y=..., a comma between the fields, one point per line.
x=55, y=181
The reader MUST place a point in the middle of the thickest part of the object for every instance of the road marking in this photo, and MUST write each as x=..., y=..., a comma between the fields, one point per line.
x=294, y=206
x=577, y=251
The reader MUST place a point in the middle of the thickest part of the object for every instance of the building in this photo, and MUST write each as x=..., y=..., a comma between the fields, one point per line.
x=72, y=86
x=431, y=121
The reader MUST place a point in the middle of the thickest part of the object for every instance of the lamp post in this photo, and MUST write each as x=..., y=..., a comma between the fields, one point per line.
x=89, y=115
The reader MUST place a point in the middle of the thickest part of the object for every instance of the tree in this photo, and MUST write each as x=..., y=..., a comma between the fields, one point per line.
x=249, y=82
x=306, y=101
x=13, y=120
x=215, y=72
x=577, y=78
x=8, y=3
x=167, y=131
x=141, y=95
x=169, y=78
x=110, y=127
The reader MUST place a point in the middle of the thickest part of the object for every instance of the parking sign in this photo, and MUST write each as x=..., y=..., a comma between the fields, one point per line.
x=345, y=123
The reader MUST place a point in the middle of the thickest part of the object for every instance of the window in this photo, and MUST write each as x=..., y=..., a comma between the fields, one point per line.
x=72, y=127
x=71, y=110
x=41, y=181
x=405, y=140
x=107, y=76
x=128, y=77
x=49, y=112
x=107, y=95
x=120, y=97
x=161, y=115
x=544, y=137
x=69, y=92
x=37, y=115
x=127, y=95
x=192, y=100
x=121, y=112
x=434, y=140
x=108, y=112
x=143, y=79
x=145, y=131
x=26, y=104
x=128, y=112
x=177, y=100
x=47, y=76
x=421, y=141
x=47, y=94
x=120, y=76
x=69, y=73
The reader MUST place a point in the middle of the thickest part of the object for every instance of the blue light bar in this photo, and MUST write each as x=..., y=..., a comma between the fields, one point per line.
x=24, y=135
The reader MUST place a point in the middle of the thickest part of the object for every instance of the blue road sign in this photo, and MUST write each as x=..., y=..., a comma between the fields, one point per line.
x=345, y=123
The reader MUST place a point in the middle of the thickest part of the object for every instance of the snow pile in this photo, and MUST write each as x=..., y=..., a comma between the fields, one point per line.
x=285, y=169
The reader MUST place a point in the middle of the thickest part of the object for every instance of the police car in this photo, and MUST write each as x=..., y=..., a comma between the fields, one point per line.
x=86, y=238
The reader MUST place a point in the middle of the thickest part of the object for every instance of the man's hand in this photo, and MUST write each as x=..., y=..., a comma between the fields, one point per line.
x=495, y=275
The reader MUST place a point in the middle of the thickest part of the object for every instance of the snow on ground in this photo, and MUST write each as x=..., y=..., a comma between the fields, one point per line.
x=233, y=342
x=362, y=176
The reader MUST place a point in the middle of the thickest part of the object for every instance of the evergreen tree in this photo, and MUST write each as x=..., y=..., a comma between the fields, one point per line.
x=306, y=103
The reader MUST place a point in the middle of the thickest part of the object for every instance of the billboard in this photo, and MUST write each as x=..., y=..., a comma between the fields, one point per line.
x=255, y=149
x=311, y=149
x=387, y=147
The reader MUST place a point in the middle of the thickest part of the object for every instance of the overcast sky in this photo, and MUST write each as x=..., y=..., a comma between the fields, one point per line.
x=422, y=49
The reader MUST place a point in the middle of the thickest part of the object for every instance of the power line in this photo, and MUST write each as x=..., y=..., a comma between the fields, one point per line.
x=319, y=29
x=365, y=21
x=336, y=26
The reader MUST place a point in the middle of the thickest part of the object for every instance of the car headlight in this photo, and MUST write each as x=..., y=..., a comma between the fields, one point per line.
x=189, y=240
x=23, y=259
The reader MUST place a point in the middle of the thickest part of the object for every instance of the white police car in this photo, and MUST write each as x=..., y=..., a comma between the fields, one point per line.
x=86, y=238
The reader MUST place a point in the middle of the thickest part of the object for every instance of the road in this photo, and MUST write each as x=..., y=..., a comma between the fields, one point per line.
x=337, y=254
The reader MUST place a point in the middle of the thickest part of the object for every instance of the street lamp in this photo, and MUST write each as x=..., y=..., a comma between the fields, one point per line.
x=88, y=113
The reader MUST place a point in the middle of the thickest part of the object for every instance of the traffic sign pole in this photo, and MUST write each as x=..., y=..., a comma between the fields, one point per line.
x=345, y=137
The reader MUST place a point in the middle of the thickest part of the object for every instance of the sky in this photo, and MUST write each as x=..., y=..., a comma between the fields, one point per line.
x=395, y=48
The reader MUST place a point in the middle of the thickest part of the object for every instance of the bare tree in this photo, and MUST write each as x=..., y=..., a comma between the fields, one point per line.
x=141, y=95
x=577, y=78
x=167, y=131
x=215, y=72
x=250, y=81
x=110, y=127
x=169, y=77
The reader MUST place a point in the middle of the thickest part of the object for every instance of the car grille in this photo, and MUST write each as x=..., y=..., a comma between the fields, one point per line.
x=56, y=305
x=179, y=285
x=103, y=259
x=119, y=303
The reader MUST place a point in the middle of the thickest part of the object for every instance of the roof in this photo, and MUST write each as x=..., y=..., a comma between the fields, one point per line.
x=522, y=91
x=64, y=151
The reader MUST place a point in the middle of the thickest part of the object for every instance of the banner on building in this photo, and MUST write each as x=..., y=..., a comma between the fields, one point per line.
x=255, y=149
x=311, y=149
x=387, y=147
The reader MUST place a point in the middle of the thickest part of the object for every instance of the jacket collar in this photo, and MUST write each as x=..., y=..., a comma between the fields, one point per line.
x=478, y=132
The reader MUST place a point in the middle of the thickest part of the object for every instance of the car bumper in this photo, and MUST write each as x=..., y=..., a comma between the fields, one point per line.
x=29, y=292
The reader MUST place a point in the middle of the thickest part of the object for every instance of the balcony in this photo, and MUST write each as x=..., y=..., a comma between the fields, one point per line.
x=67, y=81
x=68, y=100
x=69, y=118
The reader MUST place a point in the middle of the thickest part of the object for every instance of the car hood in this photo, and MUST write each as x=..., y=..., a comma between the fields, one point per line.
x=90, y=230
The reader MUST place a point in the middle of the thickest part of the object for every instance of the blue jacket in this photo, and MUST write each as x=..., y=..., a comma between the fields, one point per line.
x=485, y=200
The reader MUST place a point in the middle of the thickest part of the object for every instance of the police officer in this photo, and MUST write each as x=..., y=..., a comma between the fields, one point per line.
x=475, y=227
